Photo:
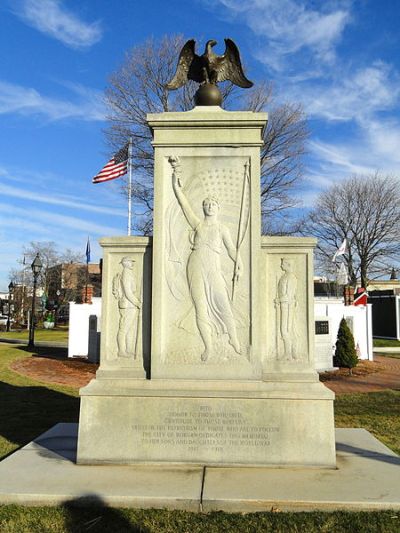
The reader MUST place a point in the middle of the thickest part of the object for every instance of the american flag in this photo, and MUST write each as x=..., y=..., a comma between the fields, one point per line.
x=116, y=167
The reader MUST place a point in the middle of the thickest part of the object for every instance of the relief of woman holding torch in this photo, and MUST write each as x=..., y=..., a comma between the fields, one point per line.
x=207, y=286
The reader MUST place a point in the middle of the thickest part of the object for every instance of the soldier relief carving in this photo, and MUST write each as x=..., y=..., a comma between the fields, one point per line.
x=125, y=291
x=211, y=296
x=286, y=308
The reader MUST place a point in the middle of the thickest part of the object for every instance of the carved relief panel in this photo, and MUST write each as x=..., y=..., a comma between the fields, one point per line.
x=286, y=307
x=125, y=338
x=207, y=261
x=287, y=326
x=127, y=293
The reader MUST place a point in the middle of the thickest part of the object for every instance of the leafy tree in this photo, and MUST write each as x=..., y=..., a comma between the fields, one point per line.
x=137, y=87
x=345, y=353
x=366, y=211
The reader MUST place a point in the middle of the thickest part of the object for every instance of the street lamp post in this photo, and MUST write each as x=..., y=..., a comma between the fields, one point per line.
x=58, y=293
x=36, y=268
x=10, y=290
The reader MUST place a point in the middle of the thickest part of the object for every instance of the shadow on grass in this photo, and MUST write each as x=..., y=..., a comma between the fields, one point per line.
x=26, y=411
x=51, y=352
x=90, y=513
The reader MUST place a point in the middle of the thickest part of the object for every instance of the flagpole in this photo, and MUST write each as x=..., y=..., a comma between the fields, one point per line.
x=87, y=269
x=23, y=290
x=86, y=282
x=130, y=186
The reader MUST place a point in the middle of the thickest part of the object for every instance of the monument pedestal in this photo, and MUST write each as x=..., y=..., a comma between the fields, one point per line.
x=206, y=423
x=225, y=374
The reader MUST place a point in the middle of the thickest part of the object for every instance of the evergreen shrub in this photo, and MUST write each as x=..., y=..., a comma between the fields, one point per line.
x=345, y=353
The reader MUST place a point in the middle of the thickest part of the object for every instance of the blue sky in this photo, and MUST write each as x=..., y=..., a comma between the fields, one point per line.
x=339, y=58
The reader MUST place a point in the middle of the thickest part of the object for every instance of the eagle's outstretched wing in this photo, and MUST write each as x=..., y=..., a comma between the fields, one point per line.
x=229, y=66
x=188, y=67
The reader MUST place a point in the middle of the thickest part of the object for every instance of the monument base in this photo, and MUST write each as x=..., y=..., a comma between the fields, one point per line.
x=241, y=423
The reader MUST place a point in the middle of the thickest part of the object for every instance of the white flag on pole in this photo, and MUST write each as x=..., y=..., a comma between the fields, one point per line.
x=341, y=250
x=342, y=277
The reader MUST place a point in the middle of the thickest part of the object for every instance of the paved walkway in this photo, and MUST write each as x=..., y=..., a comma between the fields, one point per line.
x=24, y=342
x=388, y=377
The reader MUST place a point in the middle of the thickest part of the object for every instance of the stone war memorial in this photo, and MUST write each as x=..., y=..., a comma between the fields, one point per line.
x=207, y=329
x=206, y=397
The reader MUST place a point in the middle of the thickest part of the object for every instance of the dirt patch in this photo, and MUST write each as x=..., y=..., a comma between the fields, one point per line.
x=362, y=369
x=75, y=373
x=368, y=376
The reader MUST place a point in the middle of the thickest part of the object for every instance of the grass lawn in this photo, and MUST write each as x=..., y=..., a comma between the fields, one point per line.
x=377, y=412
x=57, y=335
x=386, y=343
x=395, y=355
x=29, y=407
x=65, y=519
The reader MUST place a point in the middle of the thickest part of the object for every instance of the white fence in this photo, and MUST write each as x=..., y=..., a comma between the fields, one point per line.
x=359, y=319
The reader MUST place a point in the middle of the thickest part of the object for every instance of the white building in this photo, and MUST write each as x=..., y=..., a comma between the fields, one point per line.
x=359, y=320
x=83, y=338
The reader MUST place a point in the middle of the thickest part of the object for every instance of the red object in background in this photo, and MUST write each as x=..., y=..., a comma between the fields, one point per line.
x=361, y=297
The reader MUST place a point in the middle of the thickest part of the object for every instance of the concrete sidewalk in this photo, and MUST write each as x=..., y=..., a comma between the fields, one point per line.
x=44, y=473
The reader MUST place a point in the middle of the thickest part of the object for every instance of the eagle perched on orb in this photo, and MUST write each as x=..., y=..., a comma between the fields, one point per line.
x=209, y=69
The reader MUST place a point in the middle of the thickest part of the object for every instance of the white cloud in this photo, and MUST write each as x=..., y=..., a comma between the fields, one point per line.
x=308, y=199
x=363, y=99
x=15, y=226
x=37, y=218
x=52, y=18
x=338, y=160
x=384, y=137
x=20, y=225
x=288, y=28
x=7, y=190
x=370, y=152
x=352, y=95
x=28, y=101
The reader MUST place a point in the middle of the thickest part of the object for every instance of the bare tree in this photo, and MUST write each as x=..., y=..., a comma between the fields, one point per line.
x=137, y=87
x=365, y=210
x=285, y=138
x=49, y=257
x=50, y=278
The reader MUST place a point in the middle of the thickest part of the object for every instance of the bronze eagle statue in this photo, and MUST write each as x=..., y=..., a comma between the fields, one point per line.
x=209, y=68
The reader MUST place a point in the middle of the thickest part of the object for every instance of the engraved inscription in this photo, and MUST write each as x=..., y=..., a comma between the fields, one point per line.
x=206, y=428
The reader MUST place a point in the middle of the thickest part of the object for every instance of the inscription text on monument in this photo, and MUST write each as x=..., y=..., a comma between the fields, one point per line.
x=205, y=428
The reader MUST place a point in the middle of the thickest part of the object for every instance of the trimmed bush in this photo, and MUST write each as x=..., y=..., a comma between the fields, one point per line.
x=345, y=353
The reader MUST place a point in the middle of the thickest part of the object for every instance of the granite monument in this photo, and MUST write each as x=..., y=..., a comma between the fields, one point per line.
x=207, y=328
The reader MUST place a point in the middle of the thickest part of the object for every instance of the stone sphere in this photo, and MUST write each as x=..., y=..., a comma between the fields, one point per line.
x=208, y=94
